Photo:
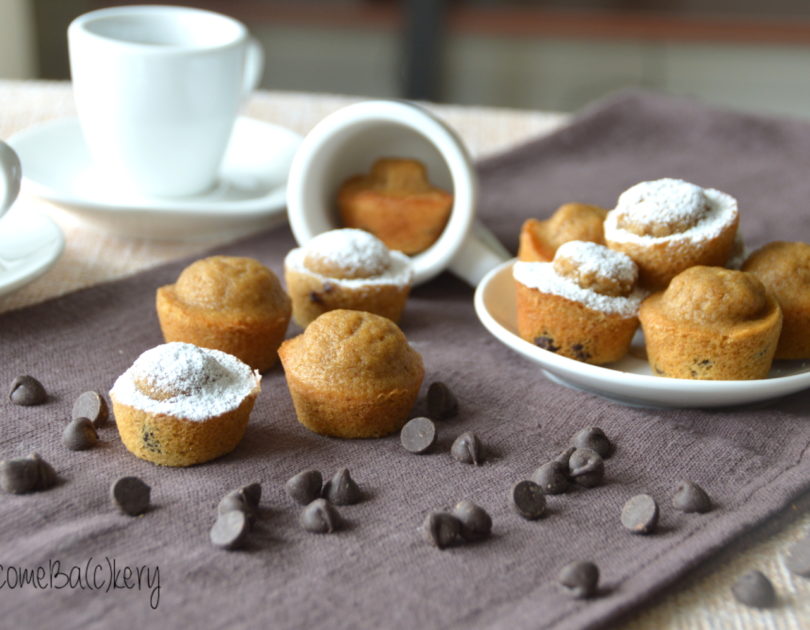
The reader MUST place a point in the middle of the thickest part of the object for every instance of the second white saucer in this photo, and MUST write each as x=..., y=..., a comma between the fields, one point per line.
x=250, y=194
x=30, y=243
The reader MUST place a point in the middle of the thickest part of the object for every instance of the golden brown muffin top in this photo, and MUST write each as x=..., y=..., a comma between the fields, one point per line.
x=232, y=284
x=570, y=222
x=715, y=296
x=783, y=267
x=395, y=177
x=355, y=350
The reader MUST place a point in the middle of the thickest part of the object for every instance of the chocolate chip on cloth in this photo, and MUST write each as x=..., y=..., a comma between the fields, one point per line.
x=79, y=434
x=586, y=467
x=341, y=489
x=229, y=530
x=320, y=517
x=26, y=474
x=418, y=435
x=441, y=402
x=640, y=514
x=130, y=495
x=528, y=499
x=305, y=487
x=441, y=529
x=690, y=497
x=580, y=579
x=476, y=523
x=552, y=477
x=754, y=589
x=245, y=499
x=27, y=391
x=467, y=449
x=91, y=405
x=596, y=440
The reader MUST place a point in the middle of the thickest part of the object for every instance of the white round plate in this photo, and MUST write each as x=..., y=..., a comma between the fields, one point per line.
x=30, y=243
x=630, y=380
x=250, y=193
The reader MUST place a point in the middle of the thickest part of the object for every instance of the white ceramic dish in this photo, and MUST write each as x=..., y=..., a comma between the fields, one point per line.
x=250, y=194
x=30, y=244
x=630, y=380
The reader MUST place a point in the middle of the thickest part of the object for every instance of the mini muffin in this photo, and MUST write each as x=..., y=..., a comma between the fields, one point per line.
x=582, y=305
x=396, y=203
x=179, y=404
x=352, y=374
x=784, y=268
x=669, y=225
x=712, y=324
x=349, y=269
x=226, y=303
x=571, y=222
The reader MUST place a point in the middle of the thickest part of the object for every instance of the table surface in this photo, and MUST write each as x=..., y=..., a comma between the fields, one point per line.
x=91, y=257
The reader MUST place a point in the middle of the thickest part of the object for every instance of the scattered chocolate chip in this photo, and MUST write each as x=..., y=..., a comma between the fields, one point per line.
x=79, y=434
x=305, y=487
x=130, y=495
x=640, y=514
x=418, y=435
x=27, y=391
x=441, y=529
x=565, y=456
x=552, y=477
x=46, y=473
x=754, y=589
x=341, y=489
x=798, y=560
x=528, y=499
x=441, y=402
x=320, y=517
x=586, y=467
x=245, y=499
x=595, y=439
x=91, y=405
x=19, y=476
x=229, y=529
x=467, y=449
x=476, y=523
x=690, y=497
x=253, y=494
x=580, y=579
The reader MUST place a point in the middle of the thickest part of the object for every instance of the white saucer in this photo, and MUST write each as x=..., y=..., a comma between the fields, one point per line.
x=30, y=243
x=630, y=380
x=250, y=194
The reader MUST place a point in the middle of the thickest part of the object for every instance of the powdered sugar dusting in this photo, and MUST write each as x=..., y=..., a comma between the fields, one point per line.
x=596, y=259
x=355, y=251
x=195, y=383
x=541, y=276
x=671, y=201
x=399, y=271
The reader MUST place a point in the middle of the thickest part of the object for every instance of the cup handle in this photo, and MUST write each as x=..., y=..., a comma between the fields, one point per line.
x=480, y=252
x=10, y=176
x=254, y=66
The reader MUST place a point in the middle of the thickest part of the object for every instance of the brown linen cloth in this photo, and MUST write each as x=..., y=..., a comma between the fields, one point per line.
x=378, y=572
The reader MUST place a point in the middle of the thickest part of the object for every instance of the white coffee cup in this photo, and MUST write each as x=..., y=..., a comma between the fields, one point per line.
x=351, y=139
x=157, y=90
x=10, y=176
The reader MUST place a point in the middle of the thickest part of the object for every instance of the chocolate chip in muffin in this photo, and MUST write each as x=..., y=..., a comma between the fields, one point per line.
x=595, y=439
x=418, y=435
x=79, y=434
x=586, y=468
x=27, y=391
x=441, y=529
x=640, y=514
x=150, y=441
x=305, y=487
x=552, y=477
x=441, y=402
x=546, y=343
x=798, y=560
x=476, y=523
x=580, y=579
x=320, y=517
x=91, y=405
x=230, y=530
x=467, y=449
x=130, y=495
x=754, y=589
x=528, y=499
x=690, y=497
x=341, y=489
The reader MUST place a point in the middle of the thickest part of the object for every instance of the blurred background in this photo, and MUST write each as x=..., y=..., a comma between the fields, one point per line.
x=532, y=54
